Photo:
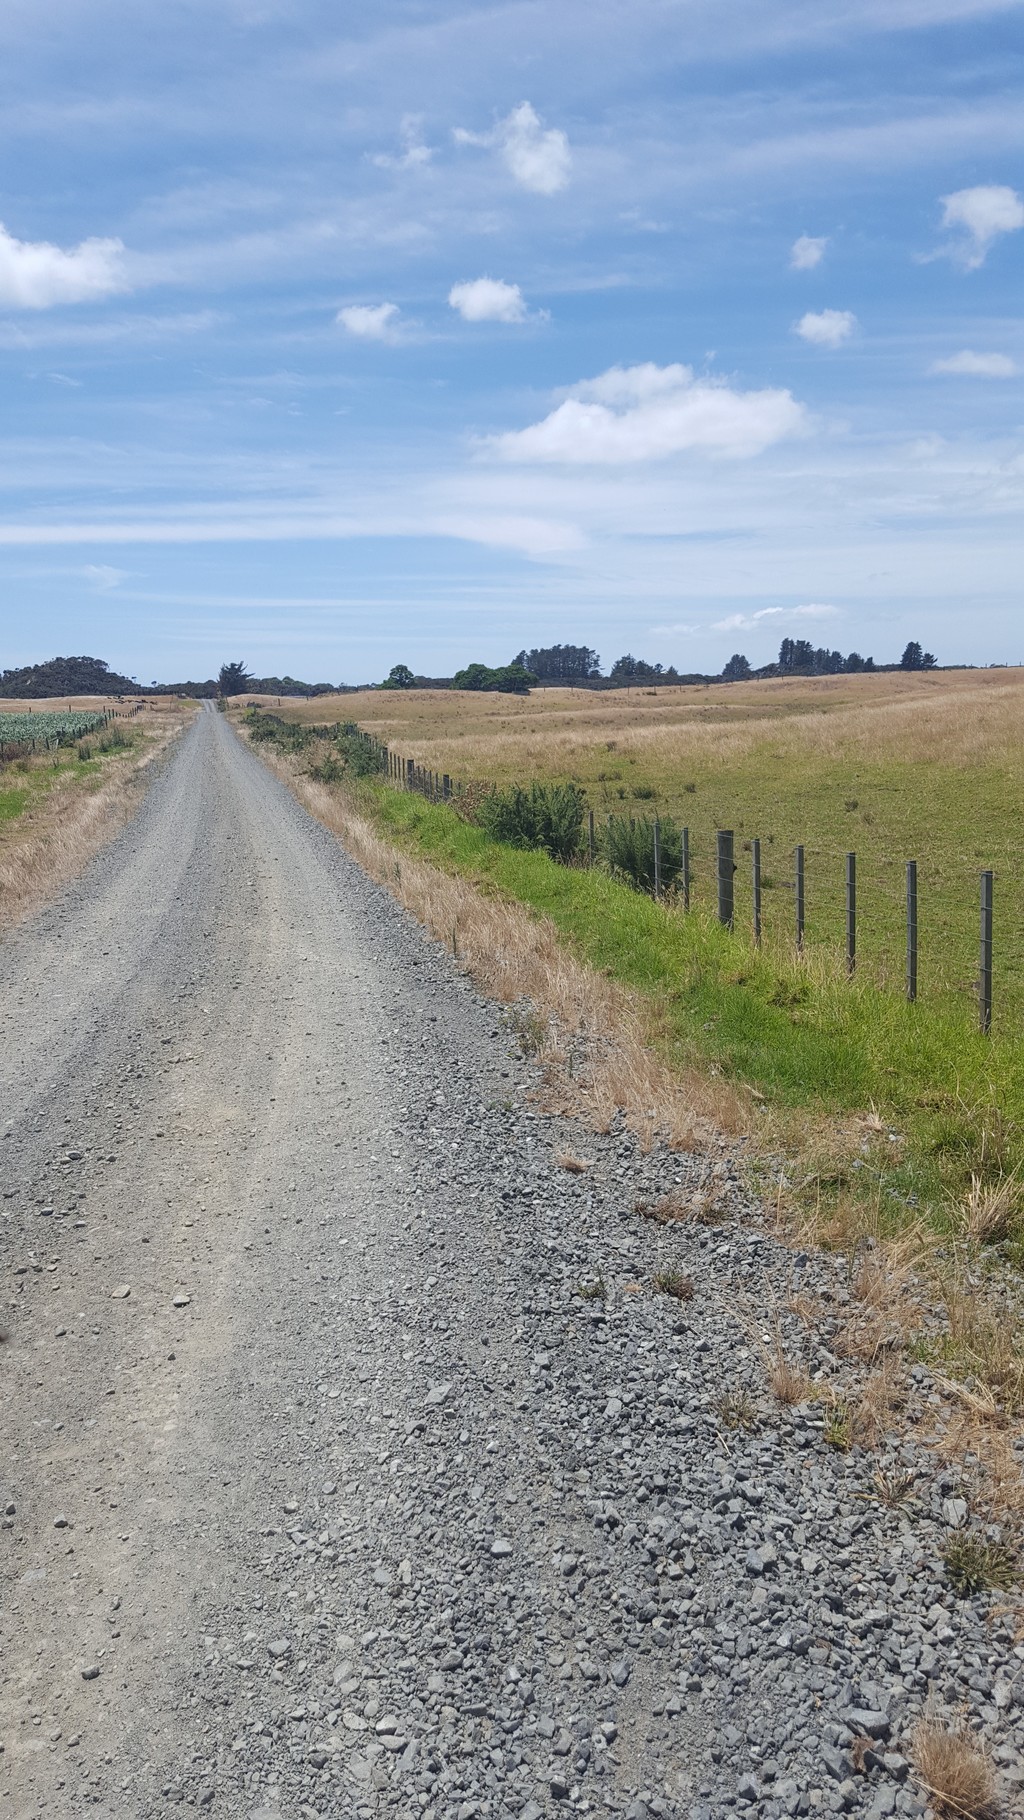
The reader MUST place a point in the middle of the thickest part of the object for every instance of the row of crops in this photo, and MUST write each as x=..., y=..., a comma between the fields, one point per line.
x=40, y=732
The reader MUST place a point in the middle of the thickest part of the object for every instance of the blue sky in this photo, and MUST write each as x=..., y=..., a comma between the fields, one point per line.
x=672, y=326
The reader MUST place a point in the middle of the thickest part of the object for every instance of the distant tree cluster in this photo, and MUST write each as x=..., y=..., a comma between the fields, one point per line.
x=561, y=663
x=628, y=671
x=507, y=679
x=915, y=659
x=65, y=676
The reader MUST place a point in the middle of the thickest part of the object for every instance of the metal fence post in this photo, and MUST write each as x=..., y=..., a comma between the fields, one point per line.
x=985, y=971
x=755, y=864
x=686, y=868
x=726, y=868
x=657, y=857
x=851, y=912
x=911, y=930
x=799, y=859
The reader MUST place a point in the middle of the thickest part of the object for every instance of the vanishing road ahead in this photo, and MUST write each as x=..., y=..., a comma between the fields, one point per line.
x=352, y=1464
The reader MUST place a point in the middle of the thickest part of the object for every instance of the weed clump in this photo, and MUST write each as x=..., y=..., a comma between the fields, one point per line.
x=673, y=1282
x=955, y=1770
x=545, y=816
x=973, y=1564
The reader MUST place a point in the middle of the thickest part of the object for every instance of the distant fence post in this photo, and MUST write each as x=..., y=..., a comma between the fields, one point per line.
x=851, y=912
x=686, y=868
x=591, y=841
x=726, y=869
x=798, y=857
x=911, y=930
x=446, y=786
x=985, y=970
x=410, y=774
x=657, y=857
x=755, y=866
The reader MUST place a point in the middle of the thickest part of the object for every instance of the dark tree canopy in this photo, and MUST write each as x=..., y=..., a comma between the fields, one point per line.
x=737, y=669
x=64, y=676
x=561, y=663
x=914, y=658
x=234, y=679
x=507, y=679
x=399, y=677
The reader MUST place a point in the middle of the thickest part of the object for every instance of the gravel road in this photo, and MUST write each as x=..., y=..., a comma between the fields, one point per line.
x=352, y=1463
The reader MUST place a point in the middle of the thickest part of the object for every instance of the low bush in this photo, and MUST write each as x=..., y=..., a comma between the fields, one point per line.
x=545, y=816
x=627, y=848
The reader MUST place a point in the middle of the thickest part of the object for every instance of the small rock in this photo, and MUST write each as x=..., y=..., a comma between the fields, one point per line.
x=180, y=1301
x=91, y=1673
x=501, y=1546
x=122, y=1291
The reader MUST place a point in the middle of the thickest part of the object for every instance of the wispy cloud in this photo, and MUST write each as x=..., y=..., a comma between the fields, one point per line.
x=488, y=300
x=773, y=616
x=977, y=366
x=826, y=328
x=538, y=157
x=103, y=577
x=644, y=413
x=370, y=321
x=35, y=275
x=984, y=212
x=807, y=251
x=414, y=154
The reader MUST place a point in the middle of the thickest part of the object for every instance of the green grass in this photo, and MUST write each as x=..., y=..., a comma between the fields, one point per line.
x=24, y=782
x=801, y=1033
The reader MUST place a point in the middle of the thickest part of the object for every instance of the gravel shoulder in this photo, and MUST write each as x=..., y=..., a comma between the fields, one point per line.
x=330, y=1485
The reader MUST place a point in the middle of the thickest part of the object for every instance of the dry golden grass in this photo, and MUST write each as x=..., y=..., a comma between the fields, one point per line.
x=956, y=717
x=518, y=957
x=954, y=1769
x=991, y=1211
x=39, y=855
x=789, y=1382
x=576, y=1165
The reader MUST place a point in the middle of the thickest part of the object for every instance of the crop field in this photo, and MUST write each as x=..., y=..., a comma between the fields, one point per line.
x=48, y=729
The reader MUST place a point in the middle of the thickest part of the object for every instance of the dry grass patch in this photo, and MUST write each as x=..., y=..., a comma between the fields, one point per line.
x=955, y=1770
x=575, y=1165
x=673, y=1282
x=991, y=1211
x=518, y=958
x=790, y=1383
x=38, y=857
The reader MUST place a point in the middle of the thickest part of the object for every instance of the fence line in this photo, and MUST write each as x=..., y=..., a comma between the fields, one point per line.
x=407, y=774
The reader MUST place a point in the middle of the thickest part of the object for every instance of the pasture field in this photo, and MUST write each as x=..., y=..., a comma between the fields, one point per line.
x=893, y=767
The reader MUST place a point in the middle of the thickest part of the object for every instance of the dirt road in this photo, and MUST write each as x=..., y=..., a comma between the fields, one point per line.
x=350, y=1464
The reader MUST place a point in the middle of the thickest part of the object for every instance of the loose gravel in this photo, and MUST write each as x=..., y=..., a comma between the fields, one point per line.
x=353, y=1463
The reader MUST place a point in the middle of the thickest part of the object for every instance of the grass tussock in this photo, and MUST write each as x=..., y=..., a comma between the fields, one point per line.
x=953, y=1767
x=976, y=1563
x=671, y=1281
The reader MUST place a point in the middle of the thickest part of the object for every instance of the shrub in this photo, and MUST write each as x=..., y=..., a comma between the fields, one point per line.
x=358, y=755
x=627, y=848
x=548, y=816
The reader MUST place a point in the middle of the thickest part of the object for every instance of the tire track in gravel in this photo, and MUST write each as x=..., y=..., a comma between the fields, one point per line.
x=363, y=1508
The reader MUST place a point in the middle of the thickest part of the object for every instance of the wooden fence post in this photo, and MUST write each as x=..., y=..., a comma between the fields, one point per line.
x=726, y=869
x=911, y=930
x=591, y=842
x=446, y=787
x=851, y=912
x=985, y=971
x=657, y=857
x=686, y=868
x=755, y=864
x=799, y=859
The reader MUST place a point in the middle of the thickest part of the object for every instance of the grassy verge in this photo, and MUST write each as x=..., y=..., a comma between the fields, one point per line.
x=943, y=1103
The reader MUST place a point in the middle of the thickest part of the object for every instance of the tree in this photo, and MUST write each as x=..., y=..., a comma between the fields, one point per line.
x=627, y=670
x=737, y=669
x=561, y=663
x=507, y=679
x=234, y=679
x=399, y=677
x=915, y=659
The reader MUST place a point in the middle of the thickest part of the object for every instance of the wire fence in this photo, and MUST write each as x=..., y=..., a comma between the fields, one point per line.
x=917, y=925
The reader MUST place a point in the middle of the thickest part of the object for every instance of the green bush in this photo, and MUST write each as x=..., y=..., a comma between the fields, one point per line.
x=546, y=816
x=359, y=757
x=627, y=848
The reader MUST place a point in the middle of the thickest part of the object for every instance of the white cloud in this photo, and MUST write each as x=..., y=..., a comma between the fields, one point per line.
x=102, y=576
x=773, y=616
x=827, y=328
x=370, y=321
x=986, y=211
x=676, y=631
x=978, y=366
x=488, y=300
x=415, y=154
x=34, y=275
x=807, y=252
x=538, y=157
x=646, y=412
